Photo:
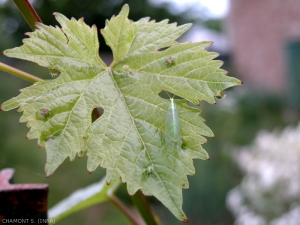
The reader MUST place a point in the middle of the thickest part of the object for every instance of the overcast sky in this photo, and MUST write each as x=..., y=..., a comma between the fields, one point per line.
x=215, y=8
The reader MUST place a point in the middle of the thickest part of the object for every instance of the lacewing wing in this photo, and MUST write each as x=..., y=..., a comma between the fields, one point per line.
x=173, y=140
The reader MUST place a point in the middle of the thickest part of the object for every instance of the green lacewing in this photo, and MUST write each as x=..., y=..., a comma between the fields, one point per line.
x=172, y=127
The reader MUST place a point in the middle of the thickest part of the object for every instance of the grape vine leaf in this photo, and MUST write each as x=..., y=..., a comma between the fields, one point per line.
x=128, y=139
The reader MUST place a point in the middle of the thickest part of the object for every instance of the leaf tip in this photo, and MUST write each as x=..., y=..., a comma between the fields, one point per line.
x=40, y=146
x=80, y=154
x=37, y=23
x=26, y=137
x=189, y=24
x=1, y=108
x=48, y=175
x=185, y=220
x=90, y=171
x=125, y=10
x=222, y=62
x=107, y=182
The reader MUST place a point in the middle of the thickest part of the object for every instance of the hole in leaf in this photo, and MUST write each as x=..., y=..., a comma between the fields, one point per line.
x=167, y=95
x=163, y=49
x=54, y=73
x=96, y=113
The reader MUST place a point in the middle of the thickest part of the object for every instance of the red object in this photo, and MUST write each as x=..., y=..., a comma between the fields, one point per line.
x=21, y=201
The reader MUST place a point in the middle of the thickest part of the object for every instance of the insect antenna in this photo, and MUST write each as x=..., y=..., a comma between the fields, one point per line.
x=169, y=95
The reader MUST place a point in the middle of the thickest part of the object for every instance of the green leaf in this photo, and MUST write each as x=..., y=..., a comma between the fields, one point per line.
x=80, y=199
x=129, y=138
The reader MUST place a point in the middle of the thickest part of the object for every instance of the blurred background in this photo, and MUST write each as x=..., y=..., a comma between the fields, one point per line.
x=253, y=177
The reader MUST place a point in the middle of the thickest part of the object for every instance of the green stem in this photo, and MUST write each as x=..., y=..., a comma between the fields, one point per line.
x=19, y=73
x=121, y=206
x=142, y=205
x=28, y=12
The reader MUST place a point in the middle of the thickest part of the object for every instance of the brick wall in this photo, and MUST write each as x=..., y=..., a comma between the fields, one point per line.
x=258, y=32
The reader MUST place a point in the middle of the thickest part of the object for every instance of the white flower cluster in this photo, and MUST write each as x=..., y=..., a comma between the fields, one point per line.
x=269, y=193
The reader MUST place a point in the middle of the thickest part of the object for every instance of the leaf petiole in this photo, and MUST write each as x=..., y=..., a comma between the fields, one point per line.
x=117, y=202
x=28, y=12
x=143, y=206
x=19, y=73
